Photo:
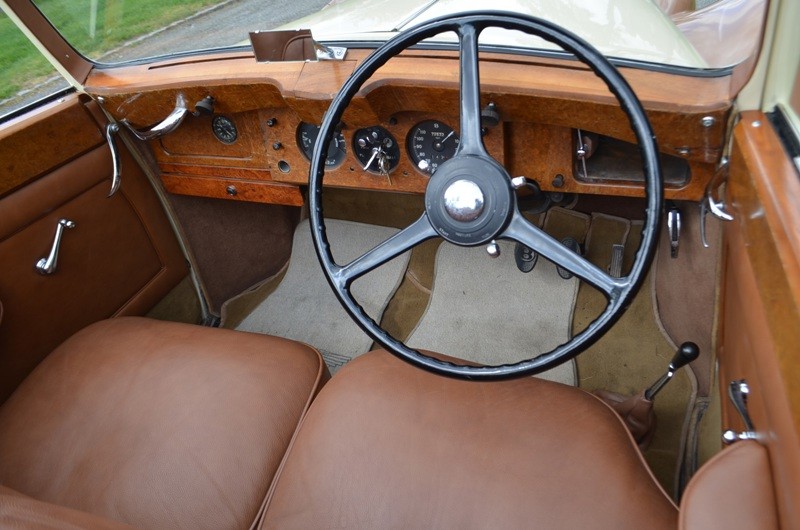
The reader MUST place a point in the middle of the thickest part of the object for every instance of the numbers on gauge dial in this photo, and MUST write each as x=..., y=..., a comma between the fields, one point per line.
x=307, y=134
x=224, y=129
x=430, y=143
x=376, y=150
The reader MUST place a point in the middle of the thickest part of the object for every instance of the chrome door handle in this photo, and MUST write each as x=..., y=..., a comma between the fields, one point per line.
x=169, y=124
x=116, y=176
x=47, y=266
x=712, y=205
x=737, y=392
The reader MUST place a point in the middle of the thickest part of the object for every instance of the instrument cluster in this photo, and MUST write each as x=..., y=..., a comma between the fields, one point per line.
x=428, y=144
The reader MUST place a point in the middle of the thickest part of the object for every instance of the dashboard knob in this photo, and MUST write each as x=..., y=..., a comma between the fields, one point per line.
x=489, y=116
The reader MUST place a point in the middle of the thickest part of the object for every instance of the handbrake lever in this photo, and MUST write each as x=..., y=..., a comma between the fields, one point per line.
x=637, y=411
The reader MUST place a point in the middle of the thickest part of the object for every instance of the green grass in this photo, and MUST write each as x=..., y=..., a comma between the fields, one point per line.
x=117, y=21
x=21, y=64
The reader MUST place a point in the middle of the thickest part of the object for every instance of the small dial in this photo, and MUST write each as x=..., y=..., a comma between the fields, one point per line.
x=224, y=129
x=376, y=149
x=337, y=150
x=430, y=143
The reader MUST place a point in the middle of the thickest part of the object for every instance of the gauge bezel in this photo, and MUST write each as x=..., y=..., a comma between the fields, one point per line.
x=220, y=118
x=413, y=154
x=384, y=133
x=307, y=153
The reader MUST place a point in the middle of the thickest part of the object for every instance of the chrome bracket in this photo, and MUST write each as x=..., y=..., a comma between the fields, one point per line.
x=169, y=124
x=737, y=392
x=329, y=53
x=47, y=266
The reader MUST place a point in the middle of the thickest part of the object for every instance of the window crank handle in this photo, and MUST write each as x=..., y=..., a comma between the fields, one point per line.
x=47, y=266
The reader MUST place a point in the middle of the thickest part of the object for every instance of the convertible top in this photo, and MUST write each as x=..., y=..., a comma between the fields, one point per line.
x=641, y=31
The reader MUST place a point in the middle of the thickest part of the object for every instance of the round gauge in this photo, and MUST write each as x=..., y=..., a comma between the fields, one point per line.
x=430, y=143
x=307, y=137
x=224, y=129
x=376, y=149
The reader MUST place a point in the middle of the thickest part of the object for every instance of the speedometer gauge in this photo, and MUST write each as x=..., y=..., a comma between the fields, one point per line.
x=307, y=137
x=430, y=143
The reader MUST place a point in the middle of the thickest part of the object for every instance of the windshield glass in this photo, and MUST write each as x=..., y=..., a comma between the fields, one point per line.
x=683, y=33
x=114, y=31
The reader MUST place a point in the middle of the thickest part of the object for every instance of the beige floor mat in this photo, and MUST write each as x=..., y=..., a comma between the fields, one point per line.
x=486, y=311
x=635, y=352
x=304, y=308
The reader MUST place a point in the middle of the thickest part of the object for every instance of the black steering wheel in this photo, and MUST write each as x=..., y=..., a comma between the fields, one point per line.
x=470, y=199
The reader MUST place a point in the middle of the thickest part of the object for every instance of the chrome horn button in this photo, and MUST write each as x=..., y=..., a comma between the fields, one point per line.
x=463, y=201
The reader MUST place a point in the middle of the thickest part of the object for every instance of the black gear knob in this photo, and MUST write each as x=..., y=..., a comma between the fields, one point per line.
x=687, y=352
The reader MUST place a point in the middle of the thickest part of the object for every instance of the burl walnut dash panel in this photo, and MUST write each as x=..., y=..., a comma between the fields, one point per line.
x=540, y=102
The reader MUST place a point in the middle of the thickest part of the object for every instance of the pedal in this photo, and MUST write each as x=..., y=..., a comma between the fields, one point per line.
x=525, y=257
x=615, y=268
x=572, y=244
x=674, y=228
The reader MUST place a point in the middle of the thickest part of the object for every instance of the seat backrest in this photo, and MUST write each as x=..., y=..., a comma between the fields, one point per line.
x=732, y=490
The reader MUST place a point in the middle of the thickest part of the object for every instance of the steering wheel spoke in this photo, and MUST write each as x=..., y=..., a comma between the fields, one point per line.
x=470, y=141
x=533, y=237
x=411, y=236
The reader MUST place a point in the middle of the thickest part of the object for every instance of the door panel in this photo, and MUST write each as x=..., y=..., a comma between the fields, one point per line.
x=760, y=330
x=121, y=257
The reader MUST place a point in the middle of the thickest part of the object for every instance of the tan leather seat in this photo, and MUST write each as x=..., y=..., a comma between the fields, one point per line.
x=386, y=445
x=154, y=424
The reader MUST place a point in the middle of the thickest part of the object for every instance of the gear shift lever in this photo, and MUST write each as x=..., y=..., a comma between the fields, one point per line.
x=637, y=411
x=687, y=352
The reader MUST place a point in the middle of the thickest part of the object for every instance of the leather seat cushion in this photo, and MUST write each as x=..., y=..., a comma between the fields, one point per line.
x=386, y=445
x=22, y=513
x=156, y=424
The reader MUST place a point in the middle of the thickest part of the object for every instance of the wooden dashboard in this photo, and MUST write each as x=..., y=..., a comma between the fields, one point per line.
x=541, y=104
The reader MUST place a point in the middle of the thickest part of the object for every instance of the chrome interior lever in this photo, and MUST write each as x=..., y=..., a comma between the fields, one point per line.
x=737, y=392
x=47, y=266
x=169, y=124
x=116, y=175
x=686, y=353
x=674, y=228
x=710, y=204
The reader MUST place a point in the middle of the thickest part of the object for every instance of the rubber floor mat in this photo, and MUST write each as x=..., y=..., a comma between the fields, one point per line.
x=304, y=308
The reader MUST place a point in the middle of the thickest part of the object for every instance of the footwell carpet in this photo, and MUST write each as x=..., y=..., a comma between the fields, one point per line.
x=487, y=311
x=304, y=308
x=635, y=352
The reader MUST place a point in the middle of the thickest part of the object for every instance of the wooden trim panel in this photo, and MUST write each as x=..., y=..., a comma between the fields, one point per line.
x=540, y=102
x=22, y=141
x=760, y=330
x=233, y=188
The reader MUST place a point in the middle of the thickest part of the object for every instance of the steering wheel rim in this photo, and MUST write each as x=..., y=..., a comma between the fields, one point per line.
x=511, y=224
